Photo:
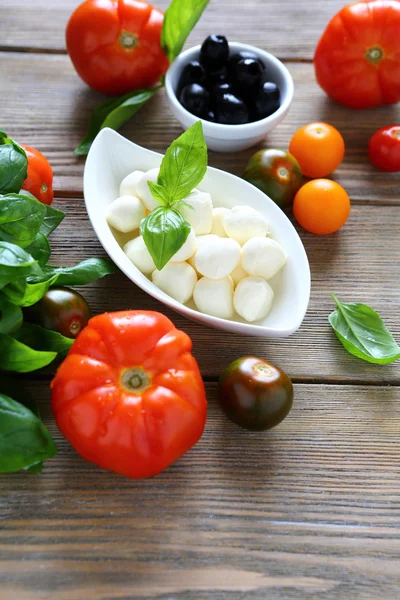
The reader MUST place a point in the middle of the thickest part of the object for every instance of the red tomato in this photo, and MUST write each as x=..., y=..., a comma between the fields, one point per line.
x=129, y=396
x=384, y=149
x=115, y=44
x=357, y=60
x=39, y=181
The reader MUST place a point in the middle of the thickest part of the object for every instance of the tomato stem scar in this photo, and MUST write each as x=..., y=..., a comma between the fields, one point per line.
x=135, y=380
x=128, y=40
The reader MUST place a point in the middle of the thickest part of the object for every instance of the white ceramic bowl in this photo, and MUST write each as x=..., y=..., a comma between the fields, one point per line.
x=112, y=157
x=231, y=138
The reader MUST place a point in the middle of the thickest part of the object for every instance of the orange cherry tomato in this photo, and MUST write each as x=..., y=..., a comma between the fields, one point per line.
x=129, y=396
x=39, y=181
x=384, y=149
x=321, y=206
x=357, y=60
x=319, y=149
x=115, y=44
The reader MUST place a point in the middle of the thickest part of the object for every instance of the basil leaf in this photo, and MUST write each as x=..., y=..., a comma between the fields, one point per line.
x=164, y=231
x=85, y=272
x=179, y=19
x=42, y=339
x=114, y=112
x=13, y=165
x=10, y=316
x=40, y=249
x=158, y=193
x=363, y=333
x=24, y=440
x=14, y=263
x=20, y=219
x=18, y=357
x=184, y=164
x=51, y=221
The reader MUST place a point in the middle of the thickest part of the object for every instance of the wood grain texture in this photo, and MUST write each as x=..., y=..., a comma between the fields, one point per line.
x=60, y=105
x=285, y=28
x=307, y=510
x=355, y=264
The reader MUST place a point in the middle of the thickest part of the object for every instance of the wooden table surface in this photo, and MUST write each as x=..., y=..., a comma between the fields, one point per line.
x=308, y=510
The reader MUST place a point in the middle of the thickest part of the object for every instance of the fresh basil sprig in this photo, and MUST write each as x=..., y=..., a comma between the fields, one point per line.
x=13, y=165
x=363, y=333
x=180, y=18
x=184, y=165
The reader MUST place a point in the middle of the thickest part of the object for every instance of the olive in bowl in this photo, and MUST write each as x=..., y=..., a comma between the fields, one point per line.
x=237, y=117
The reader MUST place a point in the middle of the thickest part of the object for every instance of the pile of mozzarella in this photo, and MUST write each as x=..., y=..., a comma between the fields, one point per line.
x=224, y=264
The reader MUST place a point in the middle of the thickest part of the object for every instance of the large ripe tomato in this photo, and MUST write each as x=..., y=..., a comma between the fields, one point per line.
x=129, y=396
x=384, y=149
x=39, y=181
x=357, y=60
x=319, y=149
x=115, y=44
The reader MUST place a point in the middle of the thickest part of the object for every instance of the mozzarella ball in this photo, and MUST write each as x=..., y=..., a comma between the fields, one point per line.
x=136, y=251
x=125, y=213
x=214, y=297
x=217, y=227
x=187, y=250
x=143, y=189
x=243, y=223
x=177, y=280
x=200, y=215
x=128, y=185
x=253, y=298
x=217, y=257
x=263, y=257
x=238, y=274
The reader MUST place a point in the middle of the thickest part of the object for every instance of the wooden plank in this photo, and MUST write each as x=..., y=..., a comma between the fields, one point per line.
x=308, y=509
x=360, y=263
x=285, y=28
x=60, y=105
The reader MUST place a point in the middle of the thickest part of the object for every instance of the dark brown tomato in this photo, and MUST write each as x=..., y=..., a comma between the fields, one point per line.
x=255, y=394
x=276, y=173
x=62, y=310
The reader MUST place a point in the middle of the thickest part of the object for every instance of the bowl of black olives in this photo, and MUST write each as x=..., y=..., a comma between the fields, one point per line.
x=240, y=92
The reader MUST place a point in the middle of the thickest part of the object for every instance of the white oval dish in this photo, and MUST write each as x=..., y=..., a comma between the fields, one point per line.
x=232, y=138
x=112, y=157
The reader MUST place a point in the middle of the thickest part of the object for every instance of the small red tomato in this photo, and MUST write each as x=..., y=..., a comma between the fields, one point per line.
x=384, y=149
x=39, y=181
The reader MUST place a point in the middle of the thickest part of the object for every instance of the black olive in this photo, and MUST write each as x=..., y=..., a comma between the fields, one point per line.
x=214, y=51
x=214, y=76
x=230, y=110
x=235, y=58
x=193, y=72
x=247, y=74
x=195, y=99
x=210, y=116
x=221, y=88
x=265, y=101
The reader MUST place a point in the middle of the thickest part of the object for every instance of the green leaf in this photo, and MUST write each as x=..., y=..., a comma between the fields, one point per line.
x=20, y=219
x=15, y=262
x=114, y=112
x=158, y=193
x=18, y=357
x=40, y=249
x=180, y=18
x=164, y=231
x=85, y=272
x=13, y=165
x=184, y=164
x=42, y=339
x=51, y=221
x=10, y=316
x=24, y=440
x=36, y=469
x=363, y=333
x=23, y=293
